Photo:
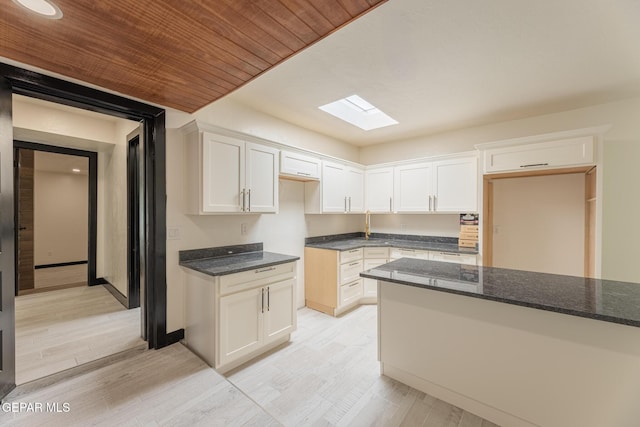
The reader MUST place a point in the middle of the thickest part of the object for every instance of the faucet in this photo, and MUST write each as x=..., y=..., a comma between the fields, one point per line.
x=367, y=225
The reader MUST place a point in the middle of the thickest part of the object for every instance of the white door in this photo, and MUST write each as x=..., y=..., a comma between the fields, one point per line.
x=334, y=192
x=222, y=173
x=413, y=185
x=456, y=185
x=355, y=190
x=379, y=190
x=262, y=178
x=241, y=327
x=280, y=312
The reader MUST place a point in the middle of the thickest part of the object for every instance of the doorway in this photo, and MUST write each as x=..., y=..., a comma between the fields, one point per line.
x=541, y=221
x=56, y=212
x=15, y=80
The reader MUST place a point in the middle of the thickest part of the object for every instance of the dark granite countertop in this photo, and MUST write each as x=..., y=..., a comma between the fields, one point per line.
x=225, y=260
x=607, y=300
x=346, y=242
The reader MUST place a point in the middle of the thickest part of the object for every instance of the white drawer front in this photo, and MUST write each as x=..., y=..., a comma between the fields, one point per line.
x=257, y=277
x=351, y=255
x=350, y=271
x=376, y=253
x=350, y=292
x=454, y=257
x=409, y=253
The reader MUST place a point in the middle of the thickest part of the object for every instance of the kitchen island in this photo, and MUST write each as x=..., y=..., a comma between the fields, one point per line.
x=517, y=348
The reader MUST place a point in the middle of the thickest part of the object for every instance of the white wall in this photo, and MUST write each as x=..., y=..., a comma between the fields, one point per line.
x=621, y=154
x=539, y=223
x=60, y=217
x=444, y=225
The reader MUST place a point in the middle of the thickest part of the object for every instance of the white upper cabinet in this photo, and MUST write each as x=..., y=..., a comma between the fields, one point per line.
x=413, y=183
x=261, y=178
x=443, y=186
x=223, y=171
x=355, y=189
x=342, y=188
x=298, y=166
x=541, y=155
x=379, y=190
x=228, y=175
x=455, y=185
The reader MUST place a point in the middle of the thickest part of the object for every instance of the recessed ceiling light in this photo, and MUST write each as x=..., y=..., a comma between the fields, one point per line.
x=75, y=170
x=355, y=110
x=44, y=8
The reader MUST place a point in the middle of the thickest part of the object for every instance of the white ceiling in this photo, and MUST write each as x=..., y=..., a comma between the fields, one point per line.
x=437, y=65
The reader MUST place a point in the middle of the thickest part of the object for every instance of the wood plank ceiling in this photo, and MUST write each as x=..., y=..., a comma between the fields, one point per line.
x=178, y=54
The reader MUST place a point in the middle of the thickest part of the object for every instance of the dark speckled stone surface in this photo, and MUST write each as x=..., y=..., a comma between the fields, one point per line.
x=607, y=300
x=346, y=242
x=225, y=260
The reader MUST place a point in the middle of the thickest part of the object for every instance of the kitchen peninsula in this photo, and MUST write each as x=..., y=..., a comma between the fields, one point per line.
x=517, y=348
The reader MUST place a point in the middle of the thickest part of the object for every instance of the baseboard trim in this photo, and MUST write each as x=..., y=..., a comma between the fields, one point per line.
x=60, y=264
x=175, y=336
x=112, y=289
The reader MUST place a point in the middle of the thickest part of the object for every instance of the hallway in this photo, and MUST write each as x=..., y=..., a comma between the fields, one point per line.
x=61, y=329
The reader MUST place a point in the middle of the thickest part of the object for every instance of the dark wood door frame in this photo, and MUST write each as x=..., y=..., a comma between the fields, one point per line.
x=36, y=85
x=93, y=201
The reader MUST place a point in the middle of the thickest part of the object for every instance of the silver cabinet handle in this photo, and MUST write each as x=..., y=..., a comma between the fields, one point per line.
x=262, y=297
x=265, y=269
x=534, y=164
x=303, y=173
x=249, y=205
x=353, y=251
x=354, y=263
x=242, y=202
x=390, y=204
x=354, y=284
x=435, y=203
x=349, y=203
x=429, y=202
x=268, y=299
x=345, y=204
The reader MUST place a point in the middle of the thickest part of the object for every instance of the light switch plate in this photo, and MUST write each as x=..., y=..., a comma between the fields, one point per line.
x=173, y=233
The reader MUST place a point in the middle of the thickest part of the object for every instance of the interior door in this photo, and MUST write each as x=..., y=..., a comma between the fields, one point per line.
x=7, y=246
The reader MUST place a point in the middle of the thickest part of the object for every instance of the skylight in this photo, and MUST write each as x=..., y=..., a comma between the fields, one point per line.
x=355, y=110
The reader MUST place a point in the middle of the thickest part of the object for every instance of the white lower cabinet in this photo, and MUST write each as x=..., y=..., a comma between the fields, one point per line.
x=231, y=319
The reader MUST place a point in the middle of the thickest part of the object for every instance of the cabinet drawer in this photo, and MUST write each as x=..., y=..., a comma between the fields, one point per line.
x=454, y=257
x=351, y=255
x=409, y=253
x=253, y=278
x=376, y=253
x=350, y=271
x=350, y=292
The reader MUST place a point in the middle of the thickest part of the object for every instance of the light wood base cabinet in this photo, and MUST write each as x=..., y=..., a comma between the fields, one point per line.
x=231, y=320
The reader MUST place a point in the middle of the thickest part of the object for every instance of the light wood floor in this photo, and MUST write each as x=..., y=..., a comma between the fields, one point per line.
x=327, y=376
x=61, y=329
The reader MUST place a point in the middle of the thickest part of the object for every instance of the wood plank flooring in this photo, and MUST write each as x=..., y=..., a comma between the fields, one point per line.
x=327, y=376
x=62, y=329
